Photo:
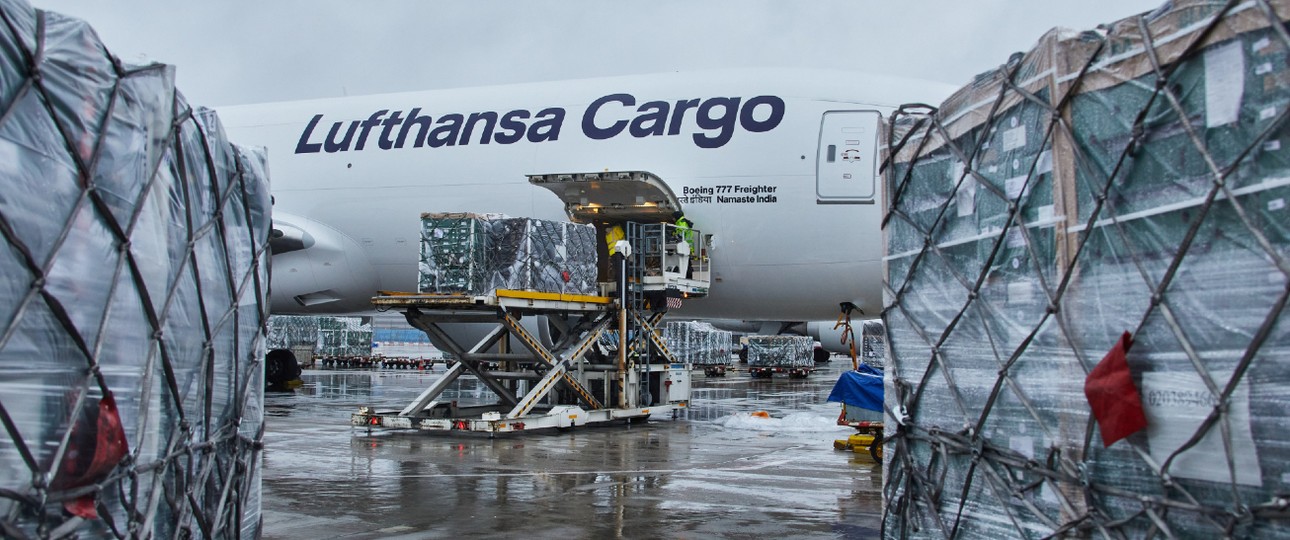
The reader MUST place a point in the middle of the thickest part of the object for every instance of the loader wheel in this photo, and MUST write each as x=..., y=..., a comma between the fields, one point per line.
x=821, y=356
x=875, y=450
x=280, y=367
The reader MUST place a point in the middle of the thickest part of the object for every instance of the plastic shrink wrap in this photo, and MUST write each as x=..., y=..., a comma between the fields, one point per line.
x=698, y=343
x=478, y=253
x=133, y=301
x=1131, y=179
x=780, y=351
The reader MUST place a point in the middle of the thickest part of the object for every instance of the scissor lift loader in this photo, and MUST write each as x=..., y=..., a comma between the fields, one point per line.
x=573, y=379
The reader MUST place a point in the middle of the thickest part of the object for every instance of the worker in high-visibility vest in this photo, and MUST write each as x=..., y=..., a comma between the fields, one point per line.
x=685, y=233
x=684, y=229
x=612, y=235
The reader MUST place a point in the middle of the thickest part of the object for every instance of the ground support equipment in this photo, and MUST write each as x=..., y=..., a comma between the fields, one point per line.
x=868, y=439
x=564, y=385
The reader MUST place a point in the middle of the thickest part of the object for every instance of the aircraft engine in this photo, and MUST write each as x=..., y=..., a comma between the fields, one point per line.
x=318, y=270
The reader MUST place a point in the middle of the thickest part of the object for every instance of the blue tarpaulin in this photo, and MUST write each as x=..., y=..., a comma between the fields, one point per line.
x=860, y=388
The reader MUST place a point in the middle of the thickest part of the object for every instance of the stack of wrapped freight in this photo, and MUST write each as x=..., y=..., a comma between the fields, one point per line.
x=479, y=253
x=780, y=351
x=326, y=336
x=287, y=331
x=344, y=336
x=873, y=343
x=1110, y=190
x=134, y=300
x=697, y=343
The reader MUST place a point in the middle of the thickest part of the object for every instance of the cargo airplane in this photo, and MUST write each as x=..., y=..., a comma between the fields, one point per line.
x=779, y=166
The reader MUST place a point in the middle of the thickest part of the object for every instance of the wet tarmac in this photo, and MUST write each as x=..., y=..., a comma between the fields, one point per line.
x=714, y=472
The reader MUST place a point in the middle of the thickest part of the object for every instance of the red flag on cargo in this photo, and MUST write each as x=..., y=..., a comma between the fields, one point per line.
x=96, y=445
x=1114, y=398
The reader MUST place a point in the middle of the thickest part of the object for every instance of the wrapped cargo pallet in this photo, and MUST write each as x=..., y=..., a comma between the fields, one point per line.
x=698, y=343
x=478, y=253
x=780, y=351
x=454, y=253
x=325, y=336
x=873, y=343
x=287, y=331
x=516, y=246
x=1086, y=259
x=344, y=336
x=133, y=306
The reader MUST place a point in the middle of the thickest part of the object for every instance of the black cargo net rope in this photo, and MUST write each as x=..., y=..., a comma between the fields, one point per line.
x=922, y=496
x=198, y=474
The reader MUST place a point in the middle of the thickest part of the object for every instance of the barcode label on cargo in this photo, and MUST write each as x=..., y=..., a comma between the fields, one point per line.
x=966, y=198
x=1261, y=44
x=1263, y=69
x=1017, y=187
x=1224, y=84
x=1176, y=404
x=1021, y=292
x=1015, y=238
x=1272, y=146
x=1014, y=138
x=1267, y=113
x=1276, y=204
x=1046, y=212
x=1045, y=162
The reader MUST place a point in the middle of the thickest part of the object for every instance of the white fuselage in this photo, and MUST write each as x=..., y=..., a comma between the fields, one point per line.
x=740, y=149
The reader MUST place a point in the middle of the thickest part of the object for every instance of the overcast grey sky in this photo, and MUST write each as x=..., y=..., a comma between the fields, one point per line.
x=248, y=51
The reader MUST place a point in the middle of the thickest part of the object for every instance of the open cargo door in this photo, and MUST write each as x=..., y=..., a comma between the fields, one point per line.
x=611, y=196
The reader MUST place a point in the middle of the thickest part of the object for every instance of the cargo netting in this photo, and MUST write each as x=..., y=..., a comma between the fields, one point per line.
x=134, y=299
x=781, y=351
x=479, y=253
x=698, y=343
x=1132, y=178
